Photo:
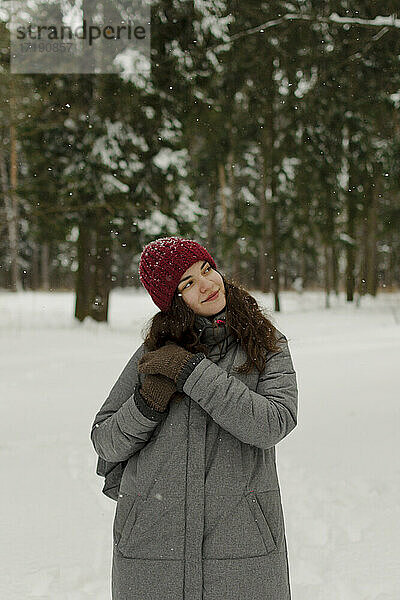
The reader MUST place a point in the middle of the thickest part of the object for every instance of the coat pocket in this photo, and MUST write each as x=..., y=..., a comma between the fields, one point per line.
x=261, y=521
x=124, y=515
x=266, y=508
x=154, y=529
x=235, y=529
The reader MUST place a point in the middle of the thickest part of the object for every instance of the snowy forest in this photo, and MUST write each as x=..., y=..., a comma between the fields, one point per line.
x=269, y=131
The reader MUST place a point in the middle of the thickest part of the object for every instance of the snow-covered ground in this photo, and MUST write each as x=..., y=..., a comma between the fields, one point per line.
x=339, y=469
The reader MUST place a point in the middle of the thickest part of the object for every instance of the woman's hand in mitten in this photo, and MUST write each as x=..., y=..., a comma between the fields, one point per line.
x=168, y=360
x=157, y=391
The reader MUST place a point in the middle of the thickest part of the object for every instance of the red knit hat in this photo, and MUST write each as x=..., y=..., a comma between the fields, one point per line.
x=162, y=264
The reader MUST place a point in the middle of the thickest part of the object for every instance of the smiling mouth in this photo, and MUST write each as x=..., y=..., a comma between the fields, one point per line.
x=212, y=297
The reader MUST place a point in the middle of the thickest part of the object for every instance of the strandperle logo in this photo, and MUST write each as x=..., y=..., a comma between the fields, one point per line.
x=82, y=32
x=95, y=36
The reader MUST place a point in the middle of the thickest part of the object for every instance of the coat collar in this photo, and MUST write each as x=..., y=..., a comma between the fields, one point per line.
x=215, y=332
x=211, y=329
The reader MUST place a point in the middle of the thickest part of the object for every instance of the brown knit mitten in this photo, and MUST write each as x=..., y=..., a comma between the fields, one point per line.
x=169, y=360
x=157, y=391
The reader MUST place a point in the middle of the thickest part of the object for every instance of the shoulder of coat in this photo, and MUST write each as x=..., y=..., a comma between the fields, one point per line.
x=280, y=336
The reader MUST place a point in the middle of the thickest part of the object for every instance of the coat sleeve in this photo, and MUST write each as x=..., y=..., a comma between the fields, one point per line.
x=125, y=422
x=261, y=418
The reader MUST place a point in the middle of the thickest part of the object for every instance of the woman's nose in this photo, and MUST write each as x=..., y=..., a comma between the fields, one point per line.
x=204, y=285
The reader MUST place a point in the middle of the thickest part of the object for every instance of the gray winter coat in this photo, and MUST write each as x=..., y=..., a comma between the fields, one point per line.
x=199, y=513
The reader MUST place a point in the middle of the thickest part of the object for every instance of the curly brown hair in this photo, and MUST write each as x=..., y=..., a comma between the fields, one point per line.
x=250, y=323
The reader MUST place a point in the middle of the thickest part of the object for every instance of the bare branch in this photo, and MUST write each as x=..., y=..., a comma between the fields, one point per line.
x=379, y=21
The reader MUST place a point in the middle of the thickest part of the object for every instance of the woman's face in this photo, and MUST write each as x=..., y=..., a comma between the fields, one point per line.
x=197, y=283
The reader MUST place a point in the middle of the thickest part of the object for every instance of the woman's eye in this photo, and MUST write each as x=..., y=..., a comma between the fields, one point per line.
x=189, y=282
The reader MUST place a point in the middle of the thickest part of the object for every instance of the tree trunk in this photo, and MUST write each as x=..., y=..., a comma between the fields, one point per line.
x=351, y=199
x=331, y=262
x=362, y=280
x=303, y=257
x=275, y=271
x=372, y=254
x=45, y=266
x=35, y=269
x=335, y=268
x=84, y=272
x=327, y=265
x=263, y=279
x=234, y=231
x=211, y=213
x=102, y=275
x=15, y=281
x=228, y=235
x=11, y=211
x=269, y=179
x=368, y=282
x=223, y=197
x=390, y=274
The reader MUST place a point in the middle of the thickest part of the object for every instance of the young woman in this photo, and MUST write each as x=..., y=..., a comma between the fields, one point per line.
x=186, y=440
